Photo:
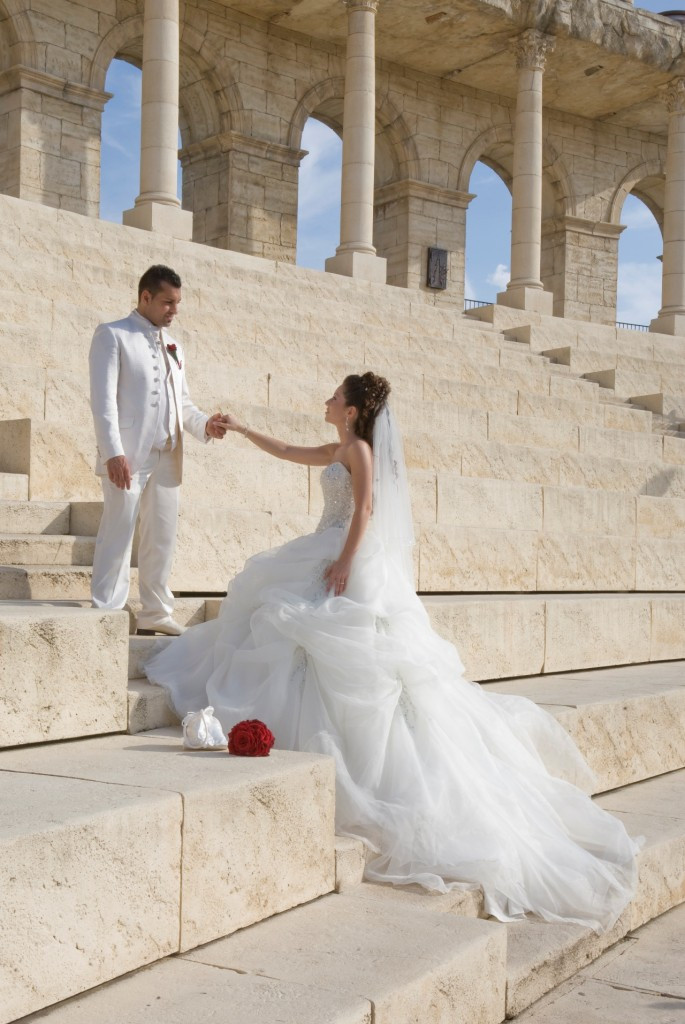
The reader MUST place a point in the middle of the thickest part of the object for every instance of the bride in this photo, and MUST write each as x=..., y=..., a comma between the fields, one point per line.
x=325, y=640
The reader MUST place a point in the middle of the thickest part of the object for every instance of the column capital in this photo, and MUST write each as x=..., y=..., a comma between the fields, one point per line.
x=674, y=96
x=531, y=49
x=362, y=5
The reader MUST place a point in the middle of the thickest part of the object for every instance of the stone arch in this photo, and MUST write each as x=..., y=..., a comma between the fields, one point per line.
x=495, y=148
x=647, y=182
x=396, y=155
x=209, y=97
x=17, y=38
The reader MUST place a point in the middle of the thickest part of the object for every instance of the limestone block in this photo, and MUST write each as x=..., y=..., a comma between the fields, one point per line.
x=454, y=558
x=67, y=396
x=618, y=417
x=36, y=447
x=585, y=470
x=660, y=564
x=175, y=991
x=585, y=562
x=495, y=637
x=495, y=504
x=660, y=517
x=350, y=861
x=668, y=628
x=90, y=881
x=257, y=832
x=462, y=902
x=665, y=480
x=591, y=632
x=47, y=549
x=586, y=1001
x=84, y=519
x=556, y=407
x=318, y=940
x=213, y=544
x=148, y=708
x=140, y=648
x=654, y=809
x=530, y=432
x=620, y=444
x=472, y=396
x=22, y=392
x=425, y=451
x=653, y=961
x=285, y=528
x=46, y=583
x=423, y=485
x=510, y=462
x=62, y=673
x=34, y=517
x=674, y=450
x=583, y=510
x=541, y=956
x=574, y=388
x=14, y=487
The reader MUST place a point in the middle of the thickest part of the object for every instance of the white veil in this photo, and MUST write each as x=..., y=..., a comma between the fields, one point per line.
x=392, y=520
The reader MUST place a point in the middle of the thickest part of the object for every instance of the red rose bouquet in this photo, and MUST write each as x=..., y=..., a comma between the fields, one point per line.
x=250, y=738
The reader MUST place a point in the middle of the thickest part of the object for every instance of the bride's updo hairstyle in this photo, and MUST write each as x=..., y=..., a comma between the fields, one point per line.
x=368, y=393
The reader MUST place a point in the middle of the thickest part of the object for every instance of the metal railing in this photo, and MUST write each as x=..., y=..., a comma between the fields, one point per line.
x=631, y=327
x=475, y=303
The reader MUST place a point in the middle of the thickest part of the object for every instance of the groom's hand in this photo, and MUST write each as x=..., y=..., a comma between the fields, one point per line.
x=215, y=426
x=119, y=472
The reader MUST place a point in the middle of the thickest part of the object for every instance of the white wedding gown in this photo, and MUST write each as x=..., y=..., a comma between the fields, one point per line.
x=449, y=785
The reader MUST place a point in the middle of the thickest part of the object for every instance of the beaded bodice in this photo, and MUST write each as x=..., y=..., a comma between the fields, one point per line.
x=336, y=484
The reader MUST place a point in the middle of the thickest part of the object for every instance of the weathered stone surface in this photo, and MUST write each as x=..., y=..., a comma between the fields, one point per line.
x=14, y=487
x=660, y=564
x=495, y=637
x=34, y=517
x=668, y=629
x=462, y=902
x=453, y=558
x=495, y=504
x=350, y=861
x=257, y=832
x=576, y=510
x=583, y=562
x=654, y=809
x=176, y=991
x=411, y=964
x=90, y=881
x=629, y=723
x=62, y=672
x=592, y=632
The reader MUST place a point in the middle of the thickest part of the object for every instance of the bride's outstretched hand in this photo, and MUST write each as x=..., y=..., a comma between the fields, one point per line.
x=231, y=423
x=337, y=575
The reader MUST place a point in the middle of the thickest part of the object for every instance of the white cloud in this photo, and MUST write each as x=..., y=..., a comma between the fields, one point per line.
x=499, y=277
x=635, y=215
x=318, y=215
x=639, y=292
x=469, y=290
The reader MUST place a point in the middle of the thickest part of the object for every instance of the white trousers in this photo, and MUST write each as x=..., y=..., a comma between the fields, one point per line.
x=154, y=494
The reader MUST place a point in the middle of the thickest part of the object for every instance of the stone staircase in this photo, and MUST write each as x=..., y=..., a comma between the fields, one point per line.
x=549, y=516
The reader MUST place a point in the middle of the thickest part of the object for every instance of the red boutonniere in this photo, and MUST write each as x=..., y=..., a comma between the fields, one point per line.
x=250, y=739
x=173, y=352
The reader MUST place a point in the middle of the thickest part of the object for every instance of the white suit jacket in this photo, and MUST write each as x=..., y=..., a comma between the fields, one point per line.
x=127, y=371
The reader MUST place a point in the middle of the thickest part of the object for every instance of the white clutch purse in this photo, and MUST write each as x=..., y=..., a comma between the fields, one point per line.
x=202, y=731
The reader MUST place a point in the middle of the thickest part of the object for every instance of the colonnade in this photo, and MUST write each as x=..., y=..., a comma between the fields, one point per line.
x=157, y=207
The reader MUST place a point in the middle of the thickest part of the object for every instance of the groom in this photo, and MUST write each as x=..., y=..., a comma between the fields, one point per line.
x=141, y=408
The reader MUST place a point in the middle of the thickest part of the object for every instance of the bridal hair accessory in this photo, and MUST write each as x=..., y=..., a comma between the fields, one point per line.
x=202, y=731
x=173, y=352
x=250, y=738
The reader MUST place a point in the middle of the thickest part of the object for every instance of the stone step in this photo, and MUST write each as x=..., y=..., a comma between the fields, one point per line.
x=14, y=486
x=637, y=981
x=525, y=959
x=34, y=517
x=45, y=549
x=629, y=723
x=121, y=850
x=341, y=960
x=63, y=672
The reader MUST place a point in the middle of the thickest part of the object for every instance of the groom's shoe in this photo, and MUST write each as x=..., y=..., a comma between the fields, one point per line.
x=165, y=626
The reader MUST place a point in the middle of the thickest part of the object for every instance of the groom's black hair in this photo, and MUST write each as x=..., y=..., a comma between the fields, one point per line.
x=154, y=277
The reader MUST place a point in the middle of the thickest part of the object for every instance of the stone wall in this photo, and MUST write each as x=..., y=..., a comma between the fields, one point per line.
x=247, y=90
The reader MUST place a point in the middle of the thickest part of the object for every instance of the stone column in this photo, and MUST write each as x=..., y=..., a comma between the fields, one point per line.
x=671, y=318
x=525, y=289
x=157, y=207
x=356, y=255
x=580, y=267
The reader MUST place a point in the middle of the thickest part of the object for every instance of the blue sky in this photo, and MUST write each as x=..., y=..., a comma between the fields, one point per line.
x=488, y=219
